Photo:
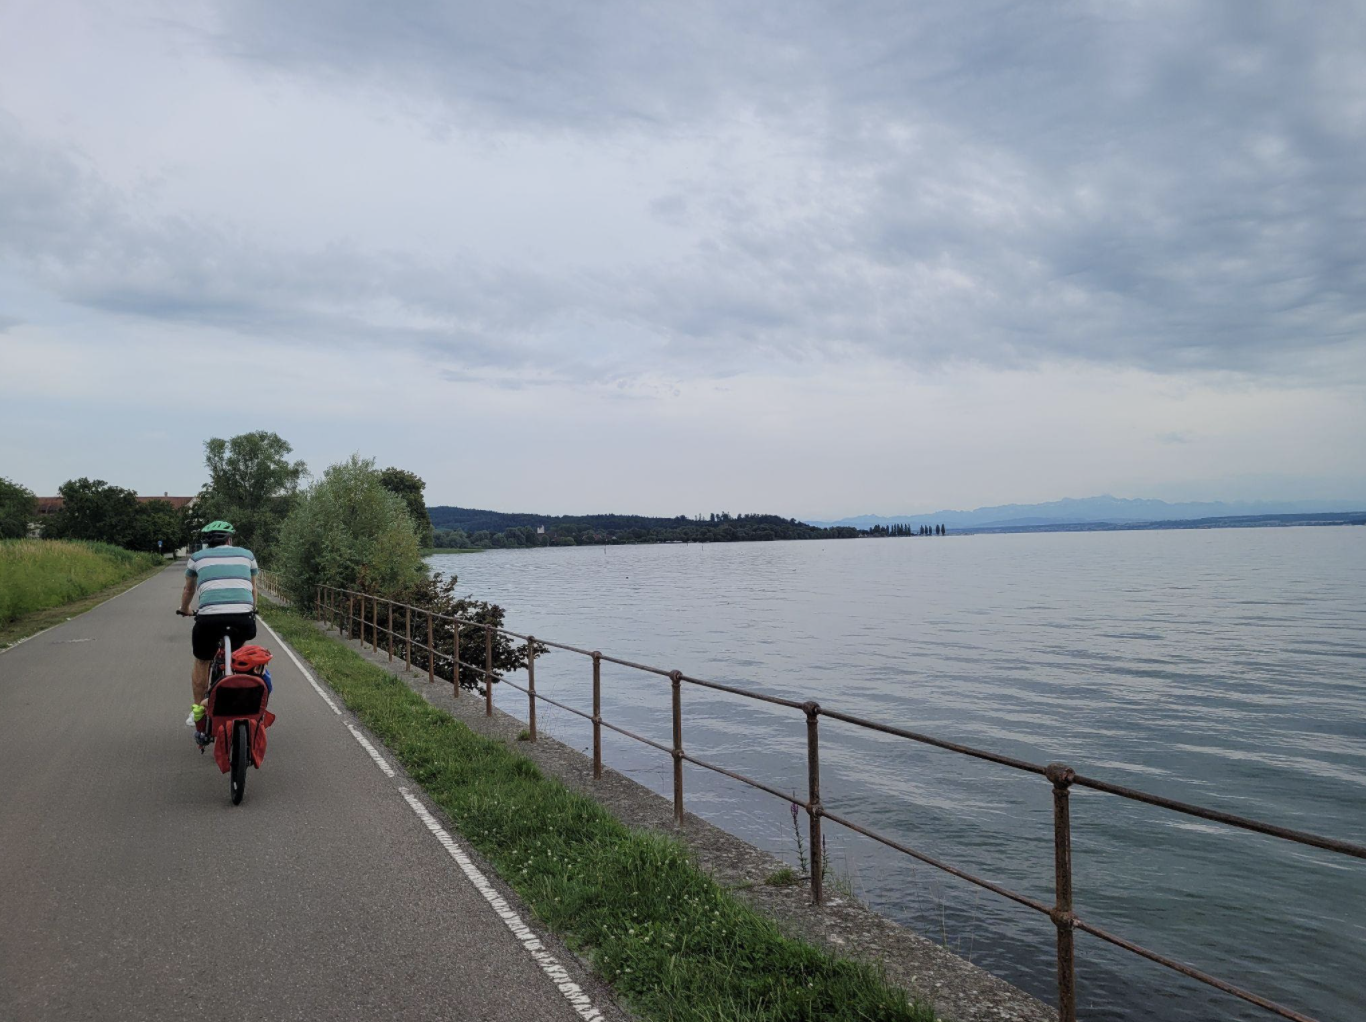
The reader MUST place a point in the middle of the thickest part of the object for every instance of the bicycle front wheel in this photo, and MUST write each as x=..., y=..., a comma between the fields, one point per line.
x=239, y=757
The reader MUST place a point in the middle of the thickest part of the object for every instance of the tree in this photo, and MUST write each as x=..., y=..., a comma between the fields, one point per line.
x=410, y=487
x=18, y=507
x=345, y=526
x=158, y=520
x=252, y=484
x=95, y=510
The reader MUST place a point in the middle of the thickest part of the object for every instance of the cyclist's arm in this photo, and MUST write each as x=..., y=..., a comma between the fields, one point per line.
x=186, y=595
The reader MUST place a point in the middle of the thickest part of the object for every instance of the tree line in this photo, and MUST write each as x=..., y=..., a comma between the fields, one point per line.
x=901, y=529
x=93, y=509
x=472, y=528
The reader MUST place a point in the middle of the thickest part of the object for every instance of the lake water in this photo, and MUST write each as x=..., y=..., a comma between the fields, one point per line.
x=1222, y=667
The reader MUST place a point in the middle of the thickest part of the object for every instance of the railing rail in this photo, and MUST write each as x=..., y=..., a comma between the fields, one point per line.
x=347, y=609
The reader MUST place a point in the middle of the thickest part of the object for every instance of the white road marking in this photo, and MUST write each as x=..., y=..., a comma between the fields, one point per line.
x=532, y=944
x=306, y=673
x=374, y=753
x=26, y=638
x=573, y=993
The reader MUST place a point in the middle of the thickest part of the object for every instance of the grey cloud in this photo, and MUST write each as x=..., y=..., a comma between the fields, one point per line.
x=556, y=64
x=90, y=245
x=1165, y=185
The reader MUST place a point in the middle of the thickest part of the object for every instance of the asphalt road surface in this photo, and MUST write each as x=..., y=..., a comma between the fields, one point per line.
x=131, y=888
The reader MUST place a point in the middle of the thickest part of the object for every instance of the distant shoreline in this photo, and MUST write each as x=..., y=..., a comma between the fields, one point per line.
x=1222, y=522
x=1229, y=522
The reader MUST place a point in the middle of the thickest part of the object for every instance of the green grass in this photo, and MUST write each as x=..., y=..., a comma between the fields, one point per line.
x=37, y=574
x=785, y=877
x=672, y=943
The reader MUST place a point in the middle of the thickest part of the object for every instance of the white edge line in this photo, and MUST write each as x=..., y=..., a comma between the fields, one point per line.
x=374, y=753
x=532, y=944
x=26, y=638
x=304, y=670
x=19, y=642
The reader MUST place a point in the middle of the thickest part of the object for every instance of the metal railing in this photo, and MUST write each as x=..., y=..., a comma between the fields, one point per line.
x=269, y=583
x=347, y=608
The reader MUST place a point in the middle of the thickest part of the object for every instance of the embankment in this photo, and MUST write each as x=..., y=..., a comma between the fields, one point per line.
x=51, y=575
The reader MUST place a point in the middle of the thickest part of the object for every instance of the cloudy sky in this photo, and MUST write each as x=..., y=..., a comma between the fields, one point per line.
x=816, y=259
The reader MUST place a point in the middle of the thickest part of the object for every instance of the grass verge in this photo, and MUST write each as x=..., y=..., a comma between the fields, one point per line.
x=672, y=943
x=44, y=582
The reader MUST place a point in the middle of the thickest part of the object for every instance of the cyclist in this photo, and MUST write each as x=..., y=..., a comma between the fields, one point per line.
x=223, y=576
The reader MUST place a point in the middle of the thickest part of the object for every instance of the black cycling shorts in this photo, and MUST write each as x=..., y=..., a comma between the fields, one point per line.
x=209, y=630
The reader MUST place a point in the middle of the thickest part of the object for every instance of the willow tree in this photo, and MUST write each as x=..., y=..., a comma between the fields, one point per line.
x=348, y=524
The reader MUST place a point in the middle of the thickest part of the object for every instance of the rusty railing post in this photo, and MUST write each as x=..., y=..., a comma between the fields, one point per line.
x=374, y=624
x=317, y=603
x=1061, y=775
x=597, y=716
x=488, y=671
x=389, y=628
x=531, y=685
x=455, y=657
x=350, y=616
x=813, y=799
x=431, y=652
x=676, y=679
x=407, y=637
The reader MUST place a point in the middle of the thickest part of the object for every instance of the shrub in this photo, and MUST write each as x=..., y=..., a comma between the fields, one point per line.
x=346, y=525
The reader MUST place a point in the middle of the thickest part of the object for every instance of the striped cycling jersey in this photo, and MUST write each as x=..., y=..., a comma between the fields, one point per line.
x=223, y=575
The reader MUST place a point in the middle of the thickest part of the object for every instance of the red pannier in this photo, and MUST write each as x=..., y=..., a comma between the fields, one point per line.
x=238, y=697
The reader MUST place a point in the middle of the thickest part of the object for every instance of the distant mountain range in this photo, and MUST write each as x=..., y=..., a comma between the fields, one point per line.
x=1073, y=511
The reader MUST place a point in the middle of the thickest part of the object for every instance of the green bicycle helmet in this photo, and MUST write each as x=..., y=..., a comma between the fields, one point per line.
x=220, y=526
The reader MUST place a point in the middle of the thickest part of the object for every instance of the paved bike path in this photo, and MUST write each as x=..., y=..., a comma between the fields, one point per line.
x=130, y=888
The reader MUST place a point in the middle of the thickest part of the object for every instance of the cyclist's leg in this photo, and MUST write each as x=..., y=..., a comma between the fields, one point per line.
x=199, y=682
x=204, y=640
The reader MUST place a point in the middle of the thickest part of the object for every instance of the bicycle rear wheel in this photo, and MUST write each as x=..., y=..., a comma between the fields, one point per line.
x=238, y=759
